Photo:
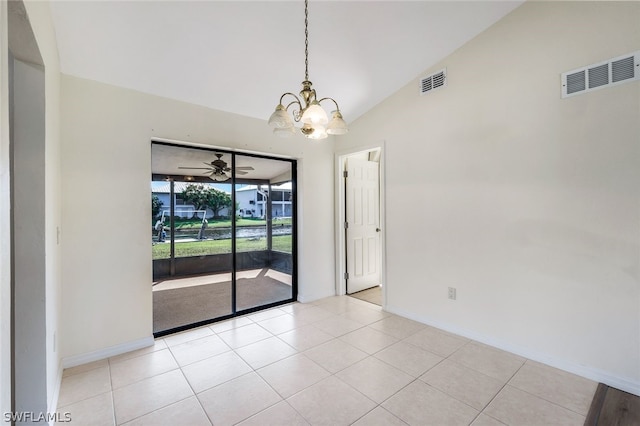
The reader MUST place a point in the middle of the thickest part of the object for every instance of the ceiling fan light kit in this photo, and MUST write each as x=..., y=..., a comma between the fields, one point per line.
x=219, y=176
x=307, y=108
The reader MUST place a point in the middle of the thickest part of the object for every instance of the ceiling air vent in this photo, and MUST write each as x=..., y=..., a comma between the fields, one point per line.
x=433, y=81
x=604, y=74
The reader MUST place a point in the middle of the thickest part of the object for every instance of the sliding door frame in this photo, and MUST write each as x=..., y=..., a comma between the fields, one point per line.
x=234, y=180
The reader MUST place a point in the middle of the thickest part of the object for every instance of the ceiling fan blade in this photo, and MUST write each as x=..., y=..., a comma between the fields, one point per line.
x=240, y=172
x=245, y=168
x=198, y=168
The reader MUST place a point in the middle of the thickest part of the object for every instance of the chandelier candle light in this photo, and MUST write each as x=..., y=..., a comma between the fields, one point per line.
x=307, y=109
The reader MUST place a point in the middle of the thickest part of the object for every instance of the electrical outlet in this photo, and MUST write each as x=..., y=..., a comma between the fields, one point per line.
x=452, y=293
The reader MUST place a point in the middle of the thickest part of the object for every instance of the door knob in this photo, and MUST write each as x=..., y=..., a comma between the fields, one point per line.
x=377, y=229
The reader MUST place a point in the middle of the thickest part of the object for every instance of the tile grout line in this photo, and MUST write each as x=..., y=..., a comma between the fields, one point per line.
x=500, y=391
x=543, y=398
x=194, y=392
x=154, y=410
x=481, y=411
x=89, y=397
x=283, y=399
x=113, y=399
x=147, y=378
x=546, y=400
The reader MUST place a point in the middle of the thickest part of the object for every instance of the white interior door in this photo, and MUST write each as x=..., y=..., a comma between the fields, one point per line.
x=362, y=194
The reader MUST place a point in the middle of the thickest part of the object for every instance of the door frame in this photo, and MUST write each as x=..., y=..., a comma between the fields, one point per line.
x=340, y=250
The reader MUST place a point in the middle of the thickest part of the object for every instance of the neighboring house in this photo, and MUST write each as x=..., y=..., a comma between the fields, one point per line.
x=162, y=190
x=251, y=201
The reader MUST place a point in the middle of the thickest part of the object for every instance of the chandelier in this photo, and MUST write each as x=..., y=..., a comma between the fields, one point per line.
x=306, y=108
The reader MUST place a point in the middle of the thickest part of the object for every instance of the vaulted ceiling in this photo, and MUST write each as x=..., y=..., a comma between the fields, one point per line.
x=240, y=56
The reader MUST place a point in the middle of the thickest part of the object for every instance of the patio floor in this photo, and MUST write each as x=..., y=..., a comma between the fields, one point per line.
x=190, y=300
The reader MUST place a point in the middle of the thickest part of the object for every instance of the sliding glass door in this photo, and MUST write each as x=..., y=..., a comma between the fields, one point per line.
x=264, y=235
x=223, y=234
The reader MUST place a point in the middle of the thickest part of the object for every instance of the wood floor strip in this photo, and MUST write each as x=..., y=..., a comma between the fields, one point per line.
x=613, y=407
x=620, y=408
x=596, y=405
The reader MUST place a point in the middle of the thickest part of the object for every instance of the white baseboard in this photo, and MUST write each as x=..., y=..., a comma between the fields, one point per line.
x=590, y=373
x=122, y=348
x=304, y=299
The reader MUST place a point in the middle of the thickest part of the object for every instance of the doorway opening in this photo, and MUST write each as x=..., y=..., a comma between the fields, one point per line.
x=360, y=232
x=223, y=234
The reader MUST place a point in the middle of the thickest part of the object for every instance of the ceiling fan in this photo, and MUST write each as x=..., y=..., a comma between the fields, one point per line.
x=217, y=170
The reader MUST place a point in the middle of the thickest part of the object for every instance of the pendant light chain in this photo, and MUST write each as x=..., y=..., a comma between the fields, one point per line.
x=306, y=108
x=306, y=40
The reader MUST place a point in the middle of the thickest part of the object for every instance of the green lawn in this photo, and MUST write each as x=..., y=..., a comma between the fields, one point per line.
x=219, y=223
x=206, y=247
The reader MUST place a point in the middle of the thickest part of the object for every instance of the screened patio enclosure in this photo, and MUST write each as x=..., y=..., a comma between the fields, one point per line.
x=223, y=234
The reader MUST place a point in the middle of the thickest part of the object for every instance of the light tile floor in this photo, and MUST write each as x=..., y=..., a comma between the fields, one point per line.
x=337, y=361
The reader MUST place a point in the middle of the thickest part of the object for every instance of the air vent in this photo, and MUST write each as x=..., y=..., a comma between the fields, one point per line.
x=598, y=76
x=623, y=69
x=433, y=81
x=605, y=74
x=576, y=82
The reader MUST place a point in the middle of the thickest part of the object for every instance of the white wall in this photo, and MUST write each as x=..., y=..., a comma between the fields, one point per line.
x=528, y=204
x=106, y=157
x=5, y=225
